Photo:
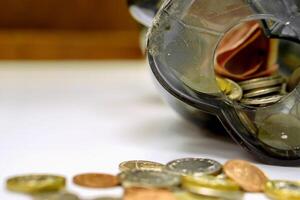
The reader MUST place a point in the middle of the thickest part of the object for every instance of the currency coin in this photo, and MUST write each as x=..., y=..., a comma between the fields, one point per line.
x=246, y=175
x=230, y=88
x=148, y=194
x=148, y=179
x=285, y=190
x=213, y=182
x=56, y=196
x=261, y=100
x=280, y=131
x=35, y=183
x=262, y=91
x=261, y=82
x=140, y=164
x=107, y=198
x=194, y=166
x=190, y=196
x=249, y=125
x=293, y=80
x=225, y=194
x=96, y=180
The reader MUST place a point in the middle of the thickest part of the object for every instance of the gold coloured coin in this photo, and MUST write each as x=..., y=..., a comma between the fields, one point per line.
x=191, y=196
x=35, y=183
x=95, y=180
x=194, y=166
x=211, y=182
x=148, y=179
x=230, y=88
x=283, y=190
x=148, y=194
x=141, y=165
x=56, y=196
x=262, y=91
x=246, y=175
x=226, y=194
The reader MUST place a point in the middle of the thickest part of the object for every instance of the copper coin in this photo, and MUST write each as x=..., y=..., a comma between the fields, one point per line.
x=246, y=175
x=95, y=180
x=148, y=194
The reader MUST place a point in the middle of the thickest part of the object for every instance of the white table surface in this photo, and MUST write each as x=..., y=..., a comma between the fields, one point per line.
x=72, y=117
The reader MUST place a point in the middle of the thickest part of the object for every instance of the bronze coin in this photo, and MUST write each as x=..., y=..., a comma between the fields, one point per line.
x=95, y=180
x=148, y=194
x=246, y=175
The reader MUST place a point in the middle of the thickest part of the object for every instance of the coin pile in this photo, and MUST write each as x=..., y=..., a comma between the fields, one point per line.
x=181, y=179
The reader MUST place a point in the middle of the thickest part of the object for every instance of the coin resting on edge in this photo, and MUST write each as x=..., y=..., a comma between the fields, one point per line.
x=194, y=166
x=96, y=180
x=148, y=179
x=140, y=164
x=232, y=90
x=35, y=183
x=280, y=189
x=246, y=175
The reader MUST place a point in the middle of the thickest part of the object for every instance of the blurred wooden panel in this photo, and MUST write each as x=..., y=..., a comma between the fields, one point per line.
x=67, y=29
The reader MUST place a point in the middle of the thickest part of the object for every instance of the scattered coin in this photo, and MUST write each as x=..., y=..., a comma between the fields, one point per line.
x=248, y=176
x=280, y=131
x=56, y=196
x=226, y=194
x=261, y=82
x=262, y=100
x=213, y=182
x=148, y=179
x=190, y=196
x=262, y=91
x=35, y=183
x=140, y=164
x=280, y=189
x=148, y=194
x=194, y=166
x=95, y=180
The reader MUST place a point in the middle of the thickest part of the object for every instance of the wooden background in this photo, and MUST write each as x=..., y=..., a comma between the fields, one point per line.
x=67, y=29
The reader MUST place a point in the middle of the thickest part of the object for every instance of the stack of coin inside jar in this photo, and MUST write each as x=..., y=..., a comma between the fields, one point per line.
x=181, y=179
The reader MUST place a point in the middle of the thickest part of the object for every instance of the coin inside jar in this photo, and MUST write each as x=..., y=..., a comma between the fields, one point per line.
x=231, y=89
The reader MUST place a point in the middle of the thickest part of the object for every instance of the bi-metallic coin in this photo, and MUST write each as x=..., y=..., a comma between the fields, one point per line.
x=280, y=189
x=141, y=165
x=194, y=166
x=148, y=179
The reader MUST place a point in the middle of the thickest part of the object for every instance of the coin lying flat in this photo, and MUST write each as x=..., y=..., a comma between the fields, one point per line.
x=226, y=194
x=95, y=180
x=107, y=198
x=261, y=82
x=261, y=100
x=56, y=196
x=194, y=166
x=230, y=88
x=191, y=196
x=280, y=189
x=262, y=91
x=213, y=182
x=148, y=179
x=35, y=183
x=246, y=175
x=141, y=165
x=148, y=194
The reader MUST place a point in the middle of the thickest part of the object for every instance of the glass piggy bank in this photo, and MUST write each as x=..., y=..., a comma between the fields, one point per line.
x=237, y=60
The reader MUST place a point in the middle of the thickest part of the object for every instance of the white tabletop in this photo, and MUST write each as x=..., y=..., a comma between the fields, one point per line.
x=72, y=117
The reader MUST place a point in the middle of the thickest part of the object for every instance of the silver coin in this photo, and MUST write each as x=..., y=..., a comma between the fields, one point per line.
x=194, y=166
x=261, y=100
x=262, y=91
x=262, y=84
x=254, y=80
x=148, y=179
x=250, y=126
x=55, y=196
